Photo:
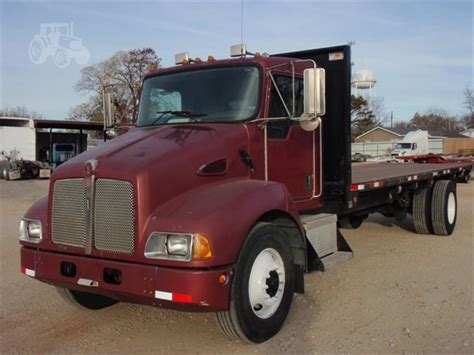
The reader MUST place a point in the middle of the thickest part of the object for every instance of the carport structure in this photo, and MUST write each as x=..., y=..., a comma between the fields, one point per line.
x=34, y=139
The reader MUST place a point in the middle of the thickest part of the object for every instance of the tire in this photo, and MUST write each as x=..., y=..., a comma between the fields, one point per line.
x=464, y=179
x=356, y=221
x=37, y=51
x=62, y=58
x=421, y=211
x=444, y=207
x=85, y=300
x=350, y=222
x=251, y=317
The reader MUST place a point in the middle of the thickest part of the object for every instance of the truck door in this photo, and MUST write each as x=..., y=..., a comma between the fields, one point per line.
x=290, y=149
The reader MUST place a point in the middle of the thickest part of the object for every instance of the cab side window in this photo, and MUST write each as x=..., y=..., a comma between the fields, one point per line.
x=279, y=129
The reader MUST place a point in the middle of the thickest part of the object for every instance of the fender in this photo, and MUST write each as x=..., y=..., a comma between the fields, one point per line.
x=224, y=212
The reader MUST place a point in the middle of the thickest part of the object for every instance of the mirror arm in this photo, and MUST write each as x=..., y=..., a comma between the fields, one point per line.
x=293, y=88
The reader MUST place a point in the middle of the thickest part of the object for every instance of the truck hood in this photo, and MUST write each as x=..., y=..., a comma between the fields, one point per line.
x=163, y=162
x=167, y=156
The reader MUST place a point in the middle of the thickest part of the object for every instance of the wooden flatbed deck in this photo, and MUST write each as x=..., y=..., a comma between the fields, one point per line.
x=367, y=176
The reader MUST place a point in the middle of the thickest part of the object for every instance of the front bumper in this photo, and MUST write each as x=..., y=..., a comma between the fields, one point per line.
x=180, y=289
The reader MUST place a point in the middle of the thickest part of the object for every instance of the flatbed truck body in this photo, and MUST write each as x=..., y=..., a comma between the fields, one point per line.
x=235, y=182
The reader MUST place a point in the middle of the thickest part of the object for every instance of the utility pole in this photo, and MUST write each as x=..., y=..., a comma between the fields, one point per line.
x=391, y=119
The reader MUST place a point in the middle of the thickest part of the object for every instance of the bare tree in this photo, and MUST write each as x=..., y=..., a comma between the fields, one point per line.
x=434, y=119
x=120, y=75
x=468, y=119
x=19, y=111
x=87, y=111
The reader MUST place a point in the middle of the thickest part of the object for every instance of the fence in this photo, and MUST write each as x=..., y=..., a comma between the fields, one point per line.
x=374, y=149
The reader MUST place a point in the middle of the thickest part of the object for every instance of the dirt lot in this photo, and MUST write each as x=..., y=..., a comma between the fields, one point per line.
x=401, y=292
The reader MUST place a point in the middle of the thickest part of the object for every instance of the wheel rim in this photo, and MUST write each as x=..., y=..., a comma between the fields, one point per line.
x=36, y=51
x=451, y=207
x=266, y=283
x=62, y=58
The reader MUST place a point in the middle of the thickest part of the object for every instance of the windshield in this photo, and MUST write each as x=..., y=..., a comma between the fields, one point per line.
x=227, y=94
x=403, y=146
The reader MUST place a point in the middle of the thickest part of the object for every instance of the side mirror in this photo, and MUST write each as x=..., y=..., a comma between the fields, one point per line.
x=314, y=92
x=107, y=110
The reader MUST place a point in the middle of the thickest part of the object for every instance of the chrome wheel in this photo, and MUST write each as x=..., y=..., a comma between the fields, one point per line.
x=451, y=207
x=266, y=283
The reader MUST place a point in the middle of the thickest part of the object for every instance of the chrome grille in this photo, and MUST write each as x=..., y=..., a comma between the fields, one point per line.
x=114, y=216
x=68, y=222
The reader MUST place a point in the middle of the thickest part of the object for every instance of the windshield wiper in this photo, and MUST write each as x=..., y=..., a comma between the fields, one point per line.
x=184, y=113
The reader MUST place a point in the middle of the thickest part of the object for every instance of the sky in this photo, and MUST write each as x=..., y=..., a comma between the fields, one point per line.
x=420, y=51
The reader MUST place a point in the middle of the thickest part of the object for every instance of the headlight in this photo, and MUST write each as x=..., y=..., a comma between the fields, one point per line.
x=178, y=244
x=179, y=247
x=30, y=231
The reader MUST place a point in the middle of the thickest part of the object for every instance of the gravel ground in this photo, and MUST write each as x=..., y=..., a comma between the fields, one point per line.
x=401, y=292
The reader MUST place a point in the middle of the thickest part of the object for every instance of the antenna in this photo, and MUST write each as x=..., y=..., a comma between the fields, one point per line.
x=242, y=21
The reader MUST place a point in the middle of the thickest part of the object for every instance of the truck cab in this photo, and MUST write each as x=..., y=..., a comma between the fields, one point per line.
x=222, y=150
x=414, y=143
x=63, y=152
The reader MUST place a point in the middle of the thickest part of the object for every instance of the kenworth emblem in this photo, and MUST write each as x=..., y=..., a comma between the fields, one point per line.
x=89, y=171
x=89, y=181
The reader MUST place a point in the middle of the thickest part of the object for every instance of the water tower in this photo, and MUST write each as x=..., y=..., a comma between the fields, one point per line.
x=363, y=81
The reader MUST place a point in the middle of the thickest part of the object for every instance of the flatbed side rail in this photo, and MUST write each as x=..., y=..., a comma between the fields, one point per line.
x=377, y=184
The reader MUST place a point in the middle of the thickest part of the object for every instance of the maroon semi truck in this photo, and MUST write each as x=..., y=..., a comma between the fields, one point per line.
x=234, y=183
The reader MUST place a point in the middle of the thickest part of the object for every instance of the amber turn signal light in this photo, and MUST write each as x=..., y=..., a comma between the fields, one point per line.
x=224, y=279
x=201, y=248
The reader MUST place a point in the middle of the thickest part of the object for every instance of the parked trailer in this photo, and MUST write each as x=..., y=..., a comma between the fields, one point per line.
x=233, y=185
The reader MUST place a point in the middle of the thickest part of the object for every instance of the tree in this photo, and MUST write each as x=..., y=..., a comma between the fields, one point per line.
x=468, y=119
x=362, y=116
x=434, y=119
x=121, y=75
x=19, y=111
x=89, y=111
x=402, y=125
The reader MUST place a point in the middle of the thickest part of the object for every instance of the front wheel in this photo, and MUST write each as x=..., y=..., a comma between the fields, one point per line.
x=85, y=300
x=262, y=289
x=62, y=58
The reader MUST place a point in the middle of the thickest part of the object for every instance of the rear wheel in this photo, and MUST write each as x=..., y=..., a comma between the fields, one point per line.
x=85, y=300
x=444, y=207
x=422, y=210
x=464, y=178
x=262, y=288
x=351, y=222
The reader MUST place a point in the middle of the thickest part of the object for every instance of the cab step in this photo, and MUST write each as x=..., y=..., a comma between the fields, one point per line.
x=328, y=243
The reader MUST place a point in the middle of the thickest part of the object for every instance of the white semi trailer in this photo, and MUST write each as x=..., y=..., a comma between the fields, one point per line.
x=414, y=143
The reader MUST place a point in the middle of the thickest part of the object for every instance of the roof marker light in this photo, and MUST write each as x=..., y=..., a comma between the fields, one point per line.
x=182, y=58
x=238, y=50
